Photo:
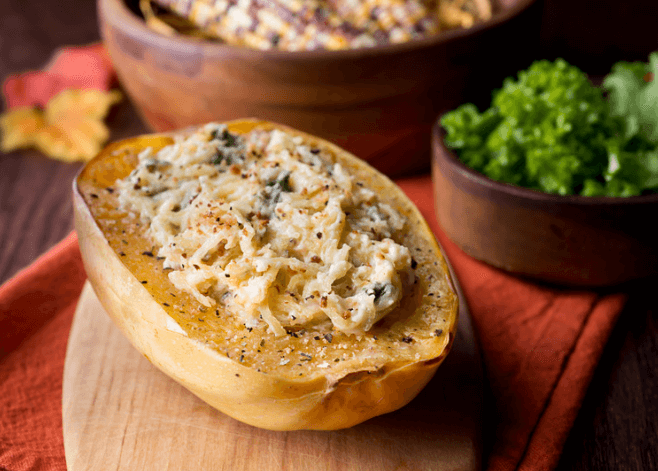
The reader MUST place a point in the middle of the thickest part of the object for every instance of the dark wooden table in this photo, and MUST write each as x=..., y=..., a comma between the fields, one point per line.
x=617, y=427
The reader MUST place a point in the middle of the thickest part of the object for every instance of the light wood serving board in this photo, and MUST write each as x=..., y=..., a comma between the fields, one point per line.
x=121, y=413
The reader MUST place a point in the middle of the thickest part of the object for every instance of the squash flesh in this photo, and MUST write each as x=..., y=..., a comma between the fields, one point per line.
x=331, y=380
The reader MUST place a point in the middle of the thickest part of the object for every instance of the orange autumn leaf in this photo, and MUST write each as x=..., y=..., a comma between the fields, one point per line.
x=80, y=67
x=19, y=127
x=70, y=128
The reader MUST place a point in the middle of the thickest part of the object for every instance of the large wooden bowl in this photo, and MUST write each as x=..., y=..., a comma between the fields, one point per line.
x=378, y=103
x=568, y=240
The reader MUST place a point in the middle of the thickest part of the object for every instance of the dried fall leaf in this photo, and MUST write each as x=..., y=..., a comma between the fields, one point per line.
x=19, y=126
x=70, y=128
x=69, y=68
x=90, y=103
x=83, y=67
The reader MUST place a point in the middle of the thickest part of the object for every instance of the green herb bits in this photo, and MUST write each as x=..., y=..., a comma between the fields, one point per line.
x=550, y=129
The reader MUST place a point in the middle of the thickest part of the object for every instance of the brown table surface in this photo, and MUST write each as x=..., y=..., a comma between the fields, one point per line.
x=617, y=427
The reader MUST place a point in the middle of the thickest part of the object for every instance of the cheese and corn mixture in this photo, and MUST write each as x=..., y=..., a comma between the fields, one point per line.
x=298, y=25
x=267, y=228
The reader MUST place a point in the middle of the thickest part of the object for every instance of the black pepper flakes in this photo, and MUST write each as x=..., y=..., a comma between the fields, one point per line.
x=328, y=337
x=407, y=339
x=438, y=332
x=148, y=253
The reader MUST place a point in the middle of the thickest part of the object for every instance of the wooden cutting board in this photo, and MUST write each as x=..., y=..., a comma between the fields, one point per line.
x=121, y=413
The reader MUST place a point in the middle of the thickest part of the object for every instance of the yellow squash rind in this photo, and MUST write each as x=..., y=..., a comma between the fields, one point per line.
x=265, y=400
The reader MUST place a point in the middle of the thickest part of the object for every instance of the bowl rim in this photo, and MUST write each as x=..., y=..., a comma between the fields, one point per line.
x=130, y=21
x=442, y=155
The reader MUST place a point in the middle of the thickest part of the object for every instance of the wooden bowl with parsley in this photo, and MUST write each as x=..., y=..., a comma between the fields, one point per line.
x=558, y=179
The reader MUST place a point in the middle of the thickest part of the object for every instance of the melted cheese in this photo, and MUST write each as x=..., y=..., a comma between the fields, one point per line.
x=267, y=228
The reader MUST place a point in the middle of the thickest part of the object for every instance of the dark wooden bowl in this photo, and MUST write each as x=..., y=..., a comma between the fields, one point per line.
x=568, y=240
x=378, y=103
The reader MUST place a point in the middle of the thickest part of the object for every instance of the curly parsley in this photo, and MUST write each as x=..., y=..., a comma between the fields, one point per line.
x=551, y=130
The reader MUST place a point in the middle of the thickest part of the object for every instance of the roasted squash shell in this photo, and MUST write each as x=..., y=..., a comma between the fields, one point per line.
x=330, y=380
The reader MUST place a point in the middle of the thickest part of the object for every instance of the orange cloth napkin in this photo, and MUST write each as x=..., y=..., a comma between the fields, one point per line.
x=540, y=348
x=36, y=309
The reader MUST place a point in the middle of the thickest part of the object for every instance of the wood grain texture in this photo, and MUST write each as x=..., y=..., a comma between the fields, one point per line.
x=35, y=208
x=119, y=412
x=35, y=201
x=35, y=197
x=617, y=427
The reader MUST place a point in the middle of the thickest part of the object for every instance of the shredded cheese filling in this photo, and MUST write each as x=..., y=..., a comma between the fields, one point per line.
x=267, y=228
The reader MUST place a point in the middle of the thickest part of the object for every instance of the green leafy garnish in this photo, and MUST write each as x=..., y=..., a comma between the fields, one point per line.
x=274, y=188
x=229, y=139
x=220, y=157
x=633, y=95
x=378, y=290
x=283, y=183
x=551, y=130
